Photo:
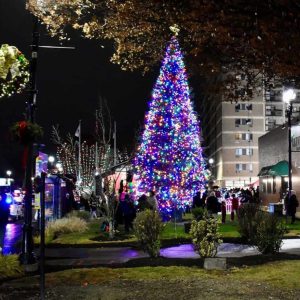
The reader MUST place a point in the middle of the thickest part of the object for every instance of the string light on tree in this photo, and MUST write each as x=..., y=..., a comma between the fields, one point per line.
x=169, y=157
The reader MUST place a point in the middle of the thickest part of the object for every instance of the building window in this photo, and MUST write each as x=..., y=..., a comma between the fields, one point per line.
x=243, y=106
x=239, y=122
x=244, y=136
x=243, y=151
x=247, y=136
x=243, y=167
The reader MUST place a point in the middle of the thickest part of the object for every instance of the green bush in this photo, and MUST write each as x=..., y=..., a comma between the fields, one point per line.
x=269, y=232
x=65, y=225
x=148, y=227
x=10, y=267
x=205, y=236
x=81, y=214
x=198, y=213
x=247, y=223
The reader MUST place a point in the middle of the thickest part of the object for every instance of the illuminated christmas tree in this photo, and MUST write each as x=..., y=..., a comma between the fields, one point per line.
x=169, y=158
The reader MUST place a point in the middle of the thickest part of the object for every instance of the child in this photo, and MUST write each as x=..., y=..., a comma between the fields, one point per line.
x=223, y=211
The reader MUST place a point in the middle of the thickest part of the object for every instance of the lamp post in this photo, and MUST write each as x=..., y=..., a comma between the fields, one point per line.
x=288, y=96
x=211, y=180
x=8, y=173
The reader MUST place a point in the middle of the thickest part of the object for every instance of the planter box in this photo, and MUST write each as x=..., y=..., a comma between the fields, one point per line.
x=215, y=263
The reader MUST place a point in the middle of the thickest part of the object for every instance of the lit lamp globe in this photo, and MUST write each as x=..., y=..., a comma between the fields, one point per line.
x=211, y=161
x=8, y=173
x=288, y=96
x=51, y=159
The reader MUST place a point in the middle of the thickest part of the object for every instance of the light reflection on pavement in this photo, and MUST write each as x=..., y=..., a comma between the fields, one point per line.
x=12, y=238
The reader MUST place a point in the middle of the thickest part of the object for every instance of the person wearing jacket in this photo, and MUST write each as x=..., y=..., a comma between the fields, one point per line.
x=212, y=204
x=291, y=205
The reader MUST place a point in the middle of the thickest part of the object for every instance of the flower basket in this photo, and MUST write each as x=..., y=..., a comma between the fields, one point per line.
x=26, y=132
x=14, y=71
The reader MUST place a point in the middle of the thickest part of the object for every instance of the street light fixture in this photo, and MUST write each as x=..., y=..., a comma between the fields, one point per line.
x=288, y=96
x=8, y=173
x=51, y=159
x=211, y=161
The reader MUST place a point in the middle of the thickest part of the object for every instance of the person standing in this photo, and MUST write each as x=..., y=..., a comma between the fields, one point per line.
x=223, y=211
x=128, y=213
x=212, y=204
x=234, y=206
x=292, y=204
x=152, y=201
x=142, y=203
x=197, y=201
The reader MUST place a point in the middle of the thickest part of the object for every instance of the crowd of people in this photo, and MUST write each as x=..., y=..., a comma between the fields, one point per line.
x=216, y=200
x=127, y=208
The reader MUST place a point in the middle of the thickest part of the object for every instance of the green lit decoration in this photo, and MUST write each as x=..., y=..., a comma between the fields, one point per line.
x=14, y=71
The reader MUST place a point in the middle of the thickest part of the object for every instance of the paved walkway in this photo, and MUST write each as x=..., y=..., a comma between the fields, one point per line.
x=113, y=255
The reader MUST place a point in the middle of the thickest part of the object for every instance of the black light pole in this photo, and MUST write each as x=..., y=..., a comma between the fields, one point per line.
x=288, y=96
x=289, y=112
x=27, y=256
x=42, y=242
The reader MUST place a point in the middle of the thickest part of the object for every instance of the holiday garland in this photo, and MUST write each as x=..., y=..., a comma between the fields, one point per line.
x=14, y=73
x=26, y=132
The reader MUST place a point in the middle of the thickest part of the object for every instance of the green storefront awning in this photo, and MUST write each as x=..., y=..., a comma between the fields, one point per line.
x=264, y=171
x=280, y=169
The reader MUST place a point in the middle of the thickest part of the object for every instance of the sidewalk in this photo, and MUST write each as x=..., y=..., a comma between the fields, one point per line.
x=88, y=257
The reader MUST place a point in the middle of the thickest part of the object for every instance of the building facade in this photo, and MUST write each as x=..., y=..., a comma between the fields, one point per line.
x=273, y=161
x=231, y=132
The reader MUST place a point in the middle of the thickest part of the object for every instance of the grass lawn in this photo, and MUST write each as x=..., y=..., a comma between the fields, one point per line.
x=172, y=231
x=276, y=280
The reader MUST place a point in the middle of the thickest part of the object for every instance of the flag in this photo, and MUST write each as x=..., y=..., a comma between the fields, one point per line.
x=77, y=133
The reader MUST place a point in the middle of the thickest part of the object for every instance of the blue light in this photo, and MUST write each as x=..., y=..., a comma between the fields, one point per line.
x=9, y=198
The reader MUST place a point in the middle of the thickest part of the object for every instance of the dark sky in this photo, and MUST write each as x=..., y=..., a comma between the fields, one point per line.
x=69, y=83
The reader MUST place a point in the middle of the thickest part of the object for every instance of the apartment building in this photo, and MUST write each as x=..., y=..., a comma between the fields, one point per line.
x=231, y=132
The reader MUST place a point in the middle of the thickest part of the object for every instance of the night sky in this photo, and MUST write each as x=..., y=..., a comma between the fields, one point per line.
x=69, y=84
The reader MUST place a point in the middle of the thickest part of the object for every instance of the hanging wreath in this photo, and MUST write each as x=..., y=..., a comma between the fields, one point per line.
x=26, y=132
x=14, y=71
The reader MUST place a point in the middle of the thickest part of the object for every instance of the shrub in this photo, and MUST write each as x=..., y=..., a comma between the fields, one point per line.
x=269, y=232
x=147, y=227
x=198, y=213
x=65, y=225
x=247, y=224
x=205, y=236
x=10, y=266
x=81, y=214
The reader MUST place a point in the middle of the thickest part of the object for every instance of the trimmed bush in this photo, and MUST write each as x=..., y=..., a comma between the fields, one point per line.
x=10, y=267
x=247, y=223
x=198, y=213
x=81, y=214
x=205, y=236
x=63, y=226
x=269, y=233
x=148, y=227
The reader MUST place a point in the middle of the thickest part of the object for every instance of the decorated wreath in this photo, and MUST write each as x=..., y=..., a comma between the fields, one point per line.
x=14, y=71
x=26, y=132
